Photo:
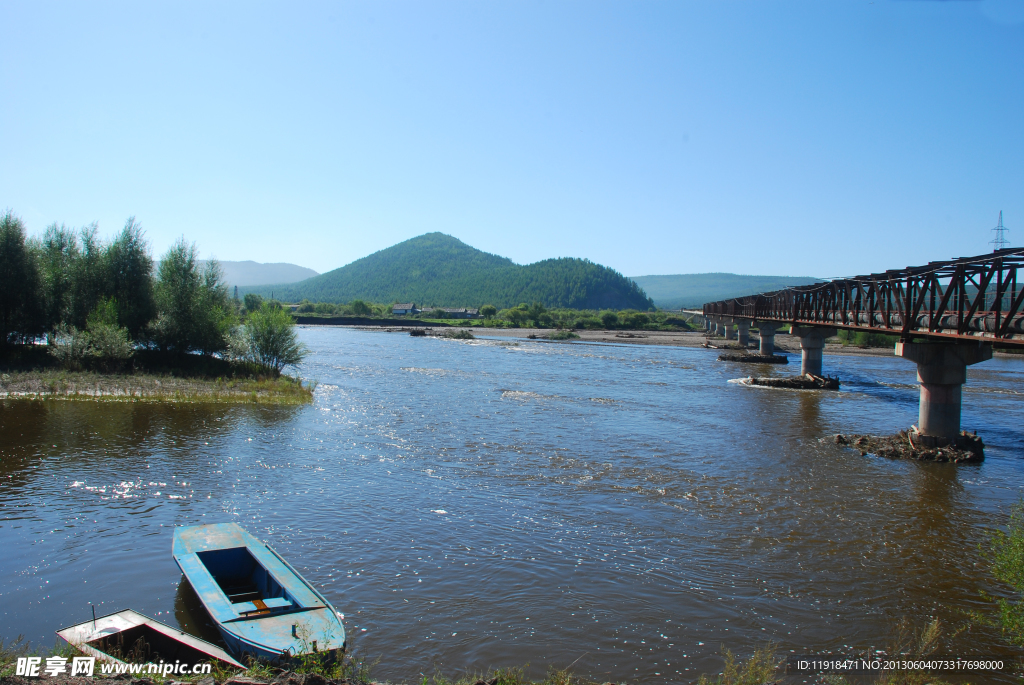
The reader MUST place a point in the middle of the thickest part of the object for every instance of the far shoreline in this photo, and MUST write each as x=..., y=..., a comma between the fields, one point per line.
x=784, y=342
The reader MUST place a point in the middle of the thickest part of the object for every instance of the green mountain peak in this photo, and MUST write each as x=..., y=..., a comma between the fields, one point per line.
x=435, y=269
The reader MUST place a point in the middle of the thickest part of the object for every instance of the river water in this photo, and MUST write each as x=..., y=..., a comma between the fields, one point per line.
x=482, y=504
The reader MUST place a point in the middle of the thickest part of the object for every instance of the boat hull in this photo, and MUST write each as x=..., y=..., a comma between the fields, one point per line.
x=116, y=635
x=261, y=605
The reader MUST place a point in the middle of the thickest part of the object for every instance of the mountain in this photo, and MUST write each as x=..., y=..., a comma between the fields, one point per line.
x=438, y=270
x=693, y=290
x=254, y=273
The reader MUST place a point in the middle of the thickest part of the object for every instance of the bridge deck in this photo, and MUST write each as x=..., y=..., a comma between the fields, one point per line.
x=973, y=298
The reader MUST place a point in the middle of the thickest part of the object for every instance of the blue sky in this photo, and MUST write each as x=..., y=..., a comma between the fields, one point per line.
x=791, y=138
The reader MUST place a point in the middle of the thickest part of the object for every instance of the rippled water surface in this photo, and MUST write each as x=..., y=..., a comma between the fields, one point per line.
x=487, y=503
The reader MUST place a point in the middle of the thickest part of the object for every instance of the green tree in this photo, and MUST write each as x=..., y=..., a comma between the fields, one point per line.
x=268, y=339
x=360, y=308
x=90, y=278
x=130, y=278
x=194, y=311
x=59, y=257
x=610, y=319
x=21, y=307
x=488, y=311
x=252, y=302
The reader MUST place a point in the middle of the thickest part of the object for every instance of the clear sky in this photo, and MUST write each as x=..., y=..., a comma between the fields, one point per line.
x=656, y=137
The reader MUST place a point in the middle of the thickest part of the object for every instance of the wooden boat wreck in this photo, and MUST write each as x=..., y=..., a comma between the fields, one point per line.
x=262, y=607
x=128, y=636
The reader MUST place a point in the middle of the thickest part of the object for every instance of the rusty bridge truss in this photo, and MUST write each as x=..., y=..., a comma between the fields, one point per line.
x=974, y=298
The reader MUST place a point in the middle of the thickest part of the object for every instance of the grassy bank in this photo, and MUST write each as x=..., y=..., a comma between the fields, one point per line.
x=29, y=372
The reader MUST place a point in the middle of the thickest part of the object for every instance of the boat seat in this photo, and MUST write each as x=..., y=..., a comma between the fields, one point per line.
x=253, y=607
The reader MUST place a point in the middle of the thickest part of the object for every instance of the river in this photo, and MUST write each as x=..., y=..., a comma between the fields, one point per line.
x=495, y=503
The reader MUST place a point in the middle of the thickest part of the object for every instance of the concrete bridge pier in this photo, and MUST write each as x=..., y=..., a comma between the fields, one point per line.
x=942, y=371
x=812, y=342
x=743, y=331
x=767, y=333
x=730, y=334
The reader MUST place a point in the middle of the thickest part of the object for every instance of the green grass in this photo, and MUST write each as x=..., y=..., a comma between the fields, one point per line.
x=27, y=371
x=144, y=387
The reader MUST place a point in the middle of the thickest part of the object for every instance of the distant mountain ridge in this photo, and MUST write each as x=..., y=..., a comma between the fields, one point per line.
x=686, y=291
x=254, y=273
x=435, y=269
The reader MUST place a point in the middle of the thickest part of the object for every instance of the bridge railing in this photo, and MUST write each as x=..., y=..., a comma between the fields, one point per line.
x=970, y=298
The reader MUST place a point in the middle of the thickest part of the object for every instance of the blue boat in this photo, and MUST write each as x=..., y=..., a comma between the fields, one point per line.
x=261, y=605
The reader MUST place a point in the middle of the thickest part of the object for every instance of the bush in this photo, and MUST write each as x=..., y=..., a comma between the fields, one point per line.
x=488, y=311
x=68, y=345
x=458, y=335
x=108, y=341
x=267, y=339
x=1007, y=558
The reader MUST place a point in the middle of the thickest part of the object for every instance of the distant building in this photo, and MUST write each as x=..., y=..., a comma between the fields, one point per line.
x=462, y=313
x=405, y=308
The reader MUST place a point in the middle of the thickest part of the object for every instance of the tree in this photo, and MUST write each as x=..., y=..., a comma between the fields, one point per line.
x=194, y=312
x=360, y=308
x=21, y=307
x=130, y=278
x=252, y=302
x=89, y=277
x=488, y=311
x=59, y=256
x=610, y=319
x=268, y=339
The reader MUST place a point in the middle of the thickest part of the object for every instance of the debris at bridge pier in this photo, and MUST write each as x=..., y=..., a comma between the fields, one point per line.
x=804, y=382
x=753, y=358
x=909, y=444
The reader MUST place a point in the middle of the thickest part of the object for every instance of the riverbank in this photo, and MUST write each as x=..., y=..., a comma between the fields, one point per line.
x=784, y=343
x=125, y=387
x=28, y=372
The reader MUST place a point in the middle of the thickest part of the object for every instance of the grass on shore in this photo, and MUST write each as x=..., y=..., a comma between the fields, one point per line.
x=27, y=371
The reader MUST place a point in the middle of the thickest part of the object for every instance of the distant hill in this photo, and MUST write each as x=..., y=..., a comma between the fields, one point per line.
x=254, y=273
x=692, y=290
x=438, y=270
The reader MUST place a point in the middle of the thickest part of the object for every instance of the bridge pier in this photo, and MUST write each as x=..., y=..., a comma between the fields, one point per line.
x=767, y=333
x=743, y=331
x=942, y=371
x=730, y=334
x=812, y=342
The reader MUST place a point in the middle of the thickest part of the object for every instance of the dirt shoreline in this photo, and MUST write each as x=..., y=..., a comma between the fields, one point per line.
x=784, y=343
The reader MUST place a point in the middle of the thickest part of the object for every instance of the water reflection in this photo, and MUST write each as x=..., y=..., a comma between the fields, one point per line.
x=192, y=617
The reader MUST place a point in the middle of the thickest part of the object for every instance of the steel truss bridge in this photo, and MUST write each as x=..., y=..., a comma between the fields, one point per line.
x=974, y=298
